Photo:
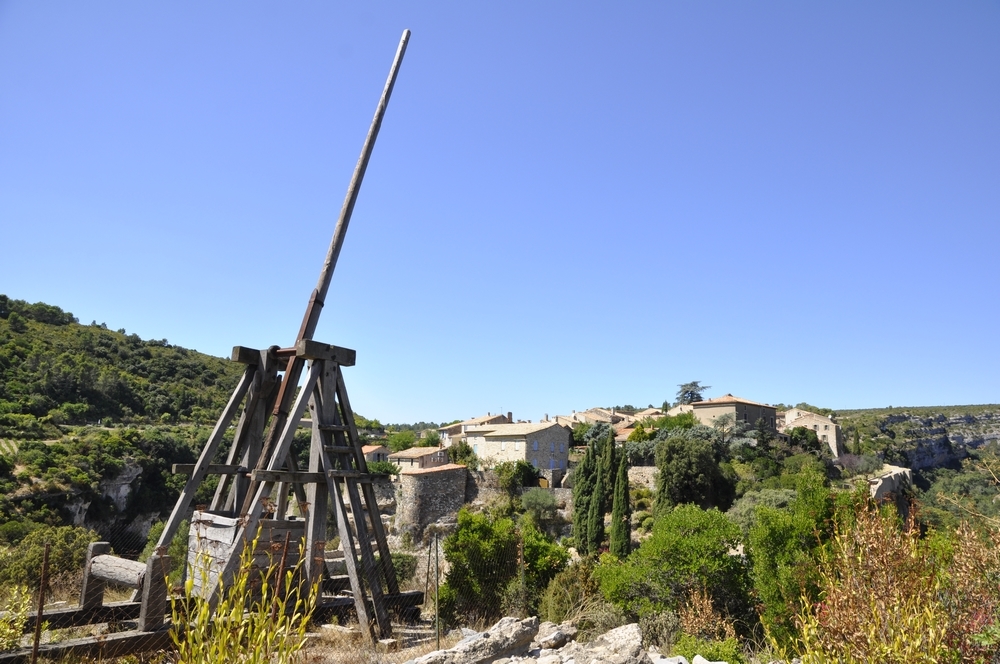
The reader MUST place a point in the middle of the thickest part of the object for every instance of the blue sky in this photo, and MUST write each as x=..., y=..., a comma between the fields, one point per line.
x=569, y=205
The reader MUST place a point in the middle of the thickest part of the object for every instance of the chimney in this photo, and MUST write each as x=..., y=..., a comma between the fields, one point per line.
x=510, y=417
x=546, y=417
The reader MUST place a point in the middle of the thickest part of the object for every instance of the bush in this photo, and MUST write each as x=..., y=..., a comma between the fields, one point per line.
x=714, y=651
x=569, y=591
x=267, y=629
x=660, y=629
x=383, y=468
x=14, y=617
x=540, y=503
x=512, y=475
x=68, y=548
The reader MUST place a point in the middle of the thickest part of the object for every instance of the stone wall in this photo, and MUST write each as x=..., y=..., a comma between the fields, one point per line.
x=426, y=495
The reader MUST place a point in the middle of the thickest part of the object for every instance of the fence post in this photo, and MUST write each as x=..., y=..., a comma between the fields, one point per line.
x=437, y=593
x=41, y=604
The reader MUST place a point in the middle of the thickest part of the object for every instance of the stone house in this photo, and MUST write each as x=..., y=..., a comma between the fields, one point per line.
x=452, y=433
x=826, y=429
x=742, y=410
x=419, y=457
x=545, y=445
x=375, y=452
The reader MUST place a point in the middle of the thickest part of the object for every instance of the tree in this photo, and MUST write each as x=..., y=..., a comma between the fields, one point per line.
x=595, y=515
x=689, y=472
x=401, y=440
x=583, y=488
x=621, y=513
x=689, y=550
x=690, y=392
x=461, y=452
x=805, y=438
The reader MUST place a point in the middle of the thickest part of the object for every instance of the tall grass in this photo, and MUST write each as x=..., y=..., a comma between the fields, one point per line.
x=261, y=617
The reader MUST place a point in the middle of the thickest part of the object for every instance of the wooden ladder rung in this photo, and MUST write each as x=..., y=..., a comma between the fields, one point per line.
x=339, y=449
x=287, y=476
x=333, y=427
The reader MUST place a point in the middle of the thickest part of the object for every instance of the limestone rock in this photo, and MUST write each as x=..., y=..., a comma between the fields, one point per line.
x=509, y=637
x=622, y=645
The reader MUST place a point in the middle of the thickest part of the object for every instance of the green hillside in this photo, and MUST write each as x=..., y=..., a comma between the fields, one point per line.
x=55, y=372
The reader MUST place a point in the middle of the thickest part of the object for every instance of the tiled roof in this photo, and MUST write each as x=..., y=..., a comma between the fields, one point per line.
x=520, y=429
x=415, y=452
x=432, y=469
x=729, y=398
x=368, y=449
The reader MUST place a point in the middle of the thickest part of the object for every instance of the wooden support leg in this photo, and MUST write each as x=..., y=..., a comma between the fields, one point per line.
x=154, y=593
x=92, y=593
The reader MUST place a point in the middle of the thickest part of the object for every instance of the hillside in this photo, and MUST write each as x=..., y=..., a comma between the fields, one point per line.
x=54, y=372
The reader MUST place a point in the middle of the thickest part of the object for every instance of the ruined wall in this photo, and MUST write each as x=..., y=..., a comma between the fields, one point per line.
x=426, y=495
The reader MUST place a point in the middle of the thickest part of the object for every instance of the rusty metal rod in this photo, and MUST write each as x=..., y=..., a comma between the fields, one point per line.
x=39, y=616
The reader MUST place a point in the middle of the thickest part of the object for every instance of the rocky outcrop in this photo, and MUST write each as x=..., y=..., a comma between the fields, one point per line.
x=512, y=641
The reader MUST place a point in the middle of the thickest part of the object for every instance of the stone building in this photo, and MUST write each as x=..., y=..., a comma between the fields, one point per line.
x=545, y=445
x=742, y=410
x=826, y=429
x=419, y=457
x=453, y=433
x=375, y=452
x=425, y=495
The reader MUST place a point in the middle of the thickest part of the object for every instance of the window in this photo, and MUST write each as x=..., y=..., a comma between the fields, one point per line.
x=824, y=438
x=503, y=445
x=552, y=447
x=826, y=427
x=562, y=447
x=552, y=464
x=534, y=462
x=534, y=445
x=475, y=448
x=517, y=445
x=815, y=427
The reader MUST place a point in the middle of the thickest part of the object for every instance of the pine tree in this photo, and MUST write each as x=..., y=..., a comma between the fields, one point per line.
x=583, y=489
x=595, y=522
x=621, y=513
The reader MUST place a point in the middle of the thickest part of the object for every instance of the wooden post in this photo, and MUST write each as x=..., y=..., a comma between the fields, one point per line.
x=92, y=593
x=41, y=604
x=154, y=593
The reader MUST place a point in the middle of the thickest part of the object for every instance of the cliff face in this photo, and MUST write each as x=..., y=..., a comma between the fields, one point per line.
x=925, y=437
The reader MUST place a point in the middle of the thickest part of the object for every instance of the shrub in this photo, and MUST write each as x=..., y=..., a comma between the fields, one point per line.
x=569, y=591
x=68, y=548
x=660, y=629
x=540, y=503
x=14, y=617
x=269, y=628
x=512, y=475
x=715, y=651
x=383, y=468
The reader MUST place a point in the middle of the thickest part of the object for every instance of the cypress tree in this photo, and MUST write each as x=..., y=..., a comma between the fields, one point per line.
x=595, y=522
x=621, y=513
x=583, y=488
x=609, y=467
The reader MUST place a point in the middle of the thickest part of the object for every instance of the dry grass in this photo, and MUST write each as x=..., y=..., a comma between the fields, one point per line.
x=350, y=646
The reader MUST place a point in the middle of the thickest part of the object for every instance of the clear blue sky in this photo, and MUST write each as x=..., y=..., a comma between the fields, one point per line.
x=570, y=204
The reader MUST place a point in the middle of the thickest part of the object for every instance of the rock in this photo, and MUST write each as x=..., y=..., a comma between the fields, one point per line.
x=550, y=659
x=622, y=645
x=698, y=659
x=509, y=637
x=679, y=659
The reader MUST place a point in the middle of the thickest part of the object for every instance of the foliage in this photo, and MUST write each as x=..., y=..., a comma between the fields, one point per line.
x=805, y=438
x=540, y=503
x=889, y=595
x=177, y=549
x=269, y=628
x=689, y=549
x=584, y=478
x=462, y=453
x=431, y=438
x=580, y=430
x=783, y=546
x=22, y=564
x=482, y=555
x=690, y=473
x=569, y=591
x=595, y=511
x=383, y=468
x=401, y=440
x=621, y=514
x=660, y=629
x=14, y=617
x=690, y=393
x=744, y=511
x=512, y=475
x=717, y=651
x=54, y=371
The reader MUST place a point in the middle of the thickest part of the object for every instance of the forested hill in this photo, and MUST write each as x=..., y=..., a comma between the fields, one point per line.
x=55, y=371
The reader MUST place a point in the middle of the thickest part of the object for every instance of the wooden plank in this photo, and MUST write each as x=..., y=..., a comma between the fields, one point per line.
x=92, y=592
x=287, y=476
x=100, y=648
x=333, y=427
x=317, y=500
x=346, y=474
x=245, y=355
x=154, y=593
x=385, y=559
x=256, y=507
x=339, y=449
x=207, y=454
x=213, y=469
x=121, y=571
x=316, y=350
x=79, y=616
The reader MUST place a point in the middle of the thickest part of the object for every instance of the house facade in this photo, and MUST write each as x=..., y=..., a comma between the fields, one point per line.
x=742, y=410
x=419, y=458
x=545, y=445
x=375, y=452
x=452, y=433
x=826, y=429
